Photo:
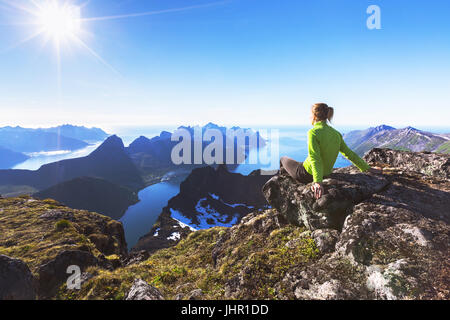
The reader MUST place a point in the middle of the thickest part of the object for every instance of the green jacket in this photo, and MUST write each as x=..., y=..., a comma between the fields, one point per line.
x=324, y=145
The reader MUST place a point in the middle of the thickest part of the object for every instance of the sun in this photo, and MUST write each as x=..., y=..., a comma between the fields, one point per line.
x=61, y=22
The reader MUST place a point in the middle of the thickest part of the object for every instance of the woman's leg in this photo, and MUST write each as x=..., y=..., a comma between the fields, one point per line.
x=290, y=165
x=296, y=170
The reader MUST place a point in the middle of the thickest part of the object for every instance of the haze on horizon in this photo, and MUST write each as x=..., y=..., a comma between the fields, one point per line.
x=237, y=62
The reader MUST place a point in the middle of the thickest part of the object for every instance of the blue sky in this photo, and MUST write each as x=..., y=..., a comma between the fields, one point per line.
x=252, y=62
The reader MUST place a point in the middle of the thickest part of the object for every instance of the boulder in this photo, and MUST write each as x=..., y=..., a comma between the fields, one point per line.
x=343, y=189
x=16, y=280
x=54, y=273
x=196, y=294
x=141, y=290
x=325, y=239
x=394, y=242
x=430, y=164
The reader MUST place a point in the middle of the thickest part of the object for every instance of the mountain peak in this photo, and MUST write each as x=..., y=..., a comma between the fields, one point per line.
x=411, y=129
x=111, y=144
x=384, y=127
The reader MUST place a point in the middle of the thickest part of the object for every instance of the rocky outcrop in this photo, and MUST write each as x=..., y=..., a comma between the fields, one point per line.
x=141, y=290
x=16, y=280
x=344, y=188
x=54, y=273
x=429, y=164
x=394, y=239
x=50, y=237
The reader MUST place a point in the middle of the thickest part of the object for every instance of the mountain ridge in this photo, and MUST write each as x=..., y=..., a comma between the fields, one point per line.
x=65, y=137
x=9, y=158
x=110, y=162
x=407, y=139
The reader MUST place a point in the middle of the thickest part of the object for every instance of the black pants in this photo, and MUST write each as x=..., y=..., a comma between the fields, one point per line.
x=296, y=170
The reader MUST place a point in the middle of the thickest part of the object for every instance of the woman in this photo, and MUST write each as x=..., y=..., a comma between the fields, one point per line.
x=324, y=145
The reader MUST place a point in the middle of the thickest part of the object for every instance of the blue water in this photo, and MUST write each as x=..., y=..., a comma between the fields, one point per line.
x=140, y=218
x=37, y=160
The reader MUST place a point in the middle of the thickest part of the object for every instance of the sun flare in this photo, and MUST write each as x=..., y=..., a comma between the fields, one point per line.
x=60, y=22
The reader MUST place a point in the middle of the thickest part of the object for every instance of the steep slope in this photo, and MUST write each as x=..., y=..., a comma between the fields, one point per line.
x=394, y=243
x=444, y=148
x=34, y=140
x=92, y=194
x=208, y=198
x=49, y=237
x=407, y=139
x=109, y=162
x=10, y=158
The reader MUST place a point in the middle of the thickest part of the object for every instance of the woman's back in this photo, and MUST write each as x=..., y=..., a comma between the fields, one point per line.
x=324, y=145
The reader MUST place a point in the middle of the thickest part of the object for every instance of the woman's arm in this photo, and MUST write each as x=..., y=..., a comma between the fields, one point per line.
x=316, y=164
x=353, y=157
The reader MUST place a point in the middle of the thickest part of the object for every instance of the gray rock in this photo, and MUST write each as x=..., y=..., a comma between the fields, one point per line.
x=179, y=296
x=431, y=164
x=141, y=290
x=136, y=257
x=16, y=280
x=54, y=273
x=196, y=294
x=57, y=215
x=325, y=239
x=343, y=189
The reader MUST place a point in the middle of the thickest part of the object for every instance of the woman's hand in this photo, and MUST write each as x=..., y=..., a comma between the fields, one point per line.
x=318, y=190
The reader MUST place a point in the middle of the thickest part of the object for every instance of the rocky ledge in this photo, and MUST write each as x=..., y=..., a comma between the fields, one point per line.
x=40, y=239
x=392, y=230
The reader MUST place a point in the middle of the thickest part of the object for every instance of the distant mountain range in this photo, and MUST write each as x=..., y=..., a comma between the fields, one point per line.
x=121, y=171
x=16, y=141
x=153, y=156
x=109, y=161
x=406, y=139
x=79, y=132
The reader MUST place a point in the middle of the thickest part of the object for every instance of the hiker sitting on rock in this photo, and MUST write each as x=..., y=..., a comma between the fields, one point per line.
x=324, y=145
